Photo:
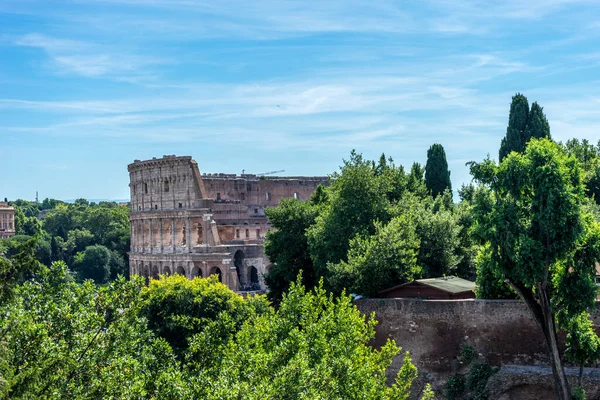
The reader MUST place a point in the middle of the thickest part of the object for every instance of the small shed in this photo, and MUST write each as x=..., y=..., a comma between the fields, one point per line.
x=444, y=288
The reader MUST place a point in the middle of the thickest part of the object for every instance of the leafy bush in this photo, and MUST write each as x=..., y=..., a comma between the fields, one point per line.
x=455, y=387
x=468, y=354
x=579, y=393
x=177, y=308
x=477, y=380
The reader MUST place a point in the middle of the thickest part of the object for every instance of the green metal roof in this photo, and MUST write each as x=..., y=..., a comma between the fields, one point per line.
x=450, y=284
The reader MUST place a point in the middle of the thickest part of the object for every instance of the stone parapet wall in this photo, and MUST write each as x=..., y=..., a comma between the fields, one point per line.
x=433, y=331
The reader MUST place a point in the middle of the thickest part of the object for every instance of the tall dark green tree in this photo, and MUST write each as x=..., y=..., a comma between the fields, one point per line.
x=542, y=240
x=356, y=198
x=523, y=124
x=537, y=124
x=287, y=246
x=517, y=124
x=437, y=175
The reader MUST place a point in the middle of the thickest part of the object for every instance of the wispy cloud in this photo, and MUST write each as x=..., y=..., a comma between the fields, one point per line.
x=283, y=77
x=88, y=59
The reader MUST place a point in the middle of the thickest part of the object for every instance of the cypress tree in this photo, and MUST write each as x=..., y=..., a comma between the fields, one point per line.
x=437, y=175
x=523, y=124
x=537, y=124
x=517, y=125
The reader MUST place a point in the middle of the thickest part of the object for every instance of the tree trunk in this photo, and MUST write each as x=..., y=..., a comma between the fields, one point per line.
x=560, y=378
x=542, y=314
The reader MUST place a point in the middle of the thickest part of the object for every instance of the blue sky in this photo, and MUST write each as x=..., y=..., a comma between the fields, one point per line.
x=87, y=86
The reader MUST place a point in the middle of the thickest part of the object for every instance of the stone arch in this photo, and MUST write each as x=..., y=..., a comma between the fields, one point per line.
x=216, y=270
x=180, y=270
x=154, y=271
x=238, y=262
x=146, y=273
x=253, y=278
x=196, y=272
x=167, y=270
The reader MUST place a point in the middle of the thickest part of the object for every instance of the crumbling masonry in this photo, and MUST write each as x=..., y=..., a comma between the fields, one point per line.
x=186, y=223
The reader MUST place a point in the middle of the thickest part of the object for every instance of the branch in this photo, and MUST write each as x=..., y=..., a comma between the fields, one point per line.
x=527, y=296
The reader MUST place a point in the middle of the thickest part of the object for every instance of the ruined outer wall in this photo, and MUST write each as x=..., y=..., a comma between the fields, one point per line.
x=433, y=331
x=259, y=191
x=166, y=183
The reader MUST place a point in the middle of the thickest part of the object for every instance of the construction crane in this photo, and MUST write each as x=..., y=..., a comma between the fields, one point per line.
x=270, y=173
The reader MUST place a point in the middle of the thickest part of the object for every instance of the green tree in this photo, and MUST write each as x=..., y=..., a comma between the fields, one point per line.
x=490, y=281
x=178, y=308
x=20, y=219
x=50, y=204
x=589, y=156
x=31, y=226
x=382, y=260
x=118, y=265
x=61, y=220
x=583, y=345
x=437, y=175
x=93, y=263
x=287, y=246
x=523, y=124
x=16, y=268
x=65, y=340
x=517, y=125
x=314, y=346
x=416, y=180
x=356, y=199
x=537, y=124
x=438, y=231
x=543, y=241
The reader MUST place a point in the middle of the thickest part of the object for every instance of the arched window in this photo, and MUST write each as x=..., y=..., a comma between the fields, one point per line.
x=166, y=185
x=253, y=275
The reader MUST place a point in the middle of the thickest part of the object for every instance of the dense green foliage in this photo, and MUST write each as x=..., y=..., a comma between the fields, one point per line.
x=389, y=255
x=92, y=239
x=183, y=339
x=471, y=383
x=374, y=227
x=542, y=238
x=437, y=175
x=523, y=124
x=589, y=158
x=287, y=245
x=70, y=327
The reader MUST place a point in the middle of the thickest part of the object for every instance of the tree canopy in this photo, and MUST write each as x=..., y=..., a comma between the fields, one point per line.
x=184, y=339
x=542, y=240
x=437, y=175
x=523, y=124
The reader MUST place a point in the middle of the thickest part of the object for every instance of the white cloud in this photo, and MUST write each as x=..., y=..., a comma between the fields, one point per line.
x=88, y=59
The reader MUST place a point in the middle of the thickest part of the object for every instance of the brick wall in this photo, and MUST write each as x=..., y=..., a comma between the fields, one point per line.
x=433, y=331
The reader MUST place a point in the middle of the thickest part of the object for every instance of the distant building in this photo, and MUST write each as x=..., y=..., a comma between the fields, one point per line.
x=7, y=220
x=183, y=222
x=445, y=288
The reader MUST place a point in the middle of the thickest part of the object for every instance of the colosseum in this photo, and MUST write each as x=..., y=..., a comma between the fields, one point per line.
x=186, y=223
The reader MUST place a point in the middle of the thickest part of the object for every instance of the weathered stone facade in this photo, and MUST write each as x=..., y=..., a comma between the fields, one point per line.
x=198, y=225
x=7, y=220
x=502, y=332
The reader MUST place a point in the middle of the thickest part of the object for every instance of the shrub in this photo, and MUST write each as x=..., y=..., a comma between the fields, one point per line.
x=468, y=354
x=455, y=387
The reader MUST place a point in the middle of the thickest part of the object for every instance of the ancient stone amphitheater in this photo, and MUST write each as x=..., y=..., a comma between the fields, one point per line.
x=186, y=223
